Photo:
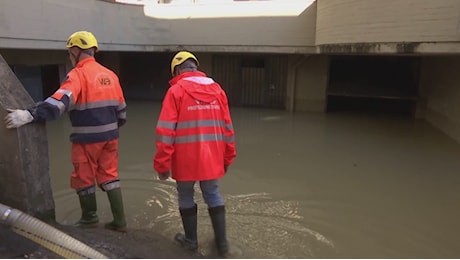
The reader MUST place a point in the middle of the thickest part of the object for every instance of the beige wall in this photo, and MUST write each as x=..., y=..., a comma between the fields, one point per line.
x=46, y=24
x=364, y=21
x=440, y=92
x=310, y=83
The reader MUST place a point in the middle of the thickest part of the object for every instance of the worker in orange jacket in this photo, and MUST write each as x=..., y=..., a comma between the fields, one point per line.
x=93, y=97
x=195, y=143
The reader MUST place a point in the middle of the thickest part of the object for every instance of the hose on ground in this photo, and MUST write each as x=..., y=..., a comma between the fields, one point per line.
x=46, y=235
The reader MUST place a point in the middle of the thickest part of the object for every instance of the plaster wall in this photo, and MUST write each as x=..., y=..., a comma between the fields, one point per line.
x=311, y=83
x=371, y=21
x=440, y=93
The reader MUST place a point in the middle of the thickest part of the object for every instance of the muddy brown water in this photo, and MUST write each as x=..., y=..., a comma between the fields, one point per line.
x=304, y=185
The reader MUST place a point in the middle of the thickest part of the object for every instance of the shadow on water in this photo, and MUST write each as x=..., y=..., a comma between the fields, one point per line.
x=303, y=185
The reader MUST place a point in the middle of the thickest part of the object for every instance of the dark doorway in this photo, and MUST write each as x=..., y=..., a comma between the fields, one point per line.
x=145, y=76
x=39, y=81
x=252, y=82
x=372, y=84
x=50, y=79
x=31, y=79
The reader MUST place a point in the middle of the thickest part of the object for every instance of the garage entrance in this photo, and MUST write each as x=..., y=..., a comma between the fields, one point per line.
x=372, y=84
x=252, y=80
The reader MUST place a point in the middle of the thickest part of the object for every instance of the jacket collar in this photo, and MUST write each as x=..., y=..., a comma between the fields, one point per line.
x=83, y=62
x=176, y=79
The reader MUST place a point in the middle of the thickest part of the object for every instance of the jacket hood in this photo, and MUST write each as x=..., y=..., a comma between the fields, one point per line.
x=199, y=86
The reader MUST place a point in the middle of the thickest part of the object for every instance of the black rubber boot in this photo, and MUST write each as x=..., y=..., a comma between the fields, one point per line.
x=217, y=215
x=116, y=205
x=189, y=240
x=88, y=206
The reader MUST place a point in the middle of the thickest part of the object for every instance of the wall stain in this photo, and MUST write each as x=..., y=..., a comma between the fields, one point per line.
x=356, y=48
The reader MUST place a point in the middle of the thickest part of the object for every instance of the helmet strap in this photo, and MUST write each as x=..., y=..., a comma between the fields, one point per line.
x=77, y=58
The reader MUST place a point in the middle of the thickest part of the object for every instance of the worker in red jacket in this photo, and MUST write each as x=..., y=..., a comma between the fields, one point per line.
x=93, y=97
x=195, y=143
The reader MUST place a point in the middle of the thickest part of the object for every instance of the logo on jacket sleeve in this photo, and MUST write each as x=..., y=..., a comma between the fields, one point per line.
x=104, y=81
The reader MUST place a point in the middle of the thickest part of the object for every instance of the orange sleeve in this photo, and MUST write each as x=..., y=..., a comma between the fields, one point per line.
x=71, y=86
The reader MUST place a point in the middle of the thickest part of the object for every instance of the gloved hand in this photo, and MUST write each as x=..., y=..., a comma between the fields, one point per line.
x=17, y=118
x=164, y=175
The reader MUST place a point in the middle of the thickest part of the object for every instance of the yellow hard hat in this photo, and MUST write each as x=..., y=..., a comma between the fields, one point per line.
x=180, y=58
x=82, y=39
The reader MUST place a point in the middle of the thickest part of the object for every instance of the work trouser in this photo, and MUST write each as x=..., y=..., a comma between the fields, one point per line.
x=94, y=162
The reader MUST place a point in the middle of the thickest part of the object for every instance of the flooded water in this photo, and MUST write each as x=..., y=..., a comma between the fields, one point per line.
x=308, y=185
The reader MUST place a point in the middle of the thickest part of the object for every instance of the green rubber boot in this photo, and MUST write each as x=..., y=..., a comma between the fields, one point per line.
x=116, y=205
x=88, y=206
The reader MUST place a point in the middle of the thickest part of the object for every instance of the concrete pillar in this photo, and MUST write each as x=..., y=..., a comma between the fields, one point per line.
x=24, y=165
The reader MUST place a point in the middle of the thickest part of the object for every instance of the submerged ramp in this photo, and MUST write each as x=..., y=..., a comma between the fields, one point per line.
x=24, y=165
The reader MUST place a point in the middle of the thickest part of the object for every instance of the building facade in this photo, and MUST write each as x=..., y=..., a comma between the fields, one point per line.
x=397, y=56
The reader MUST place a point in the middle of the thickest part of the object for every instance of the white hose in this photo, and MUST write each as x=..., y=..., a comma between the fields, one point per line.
x=46, y=235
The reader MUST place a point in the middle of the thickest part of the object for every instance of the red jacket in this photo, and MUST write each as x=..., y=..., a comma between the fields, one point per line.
x=195, y=136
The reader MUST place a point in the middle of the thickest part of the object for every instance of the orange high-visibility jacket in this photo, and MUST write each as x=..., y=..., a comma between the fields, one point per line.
x=94, y=99
x=195, y=136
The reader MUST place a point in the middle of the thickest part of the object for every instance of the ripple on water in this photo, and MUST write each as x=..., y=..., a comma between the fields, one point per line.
x=272, y=228
x=257, y=225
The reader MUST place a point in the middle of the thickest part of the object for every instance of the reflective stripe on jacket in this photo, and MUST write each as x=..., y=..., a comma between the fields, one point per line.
x=93, y=96
x=195, y=136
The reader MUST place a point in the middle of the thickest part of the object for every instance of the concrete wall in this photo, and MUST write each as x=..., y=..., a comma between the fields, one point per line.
x=311, y=83
x=357, y=21
x=46, y=24
x=440, y=92
x=24, y=180
x=390, y=26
